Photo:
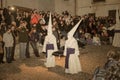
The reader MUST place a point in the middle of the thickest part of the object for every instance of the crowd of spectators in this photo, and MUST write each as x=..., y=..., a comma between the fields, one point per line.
x=31, y=27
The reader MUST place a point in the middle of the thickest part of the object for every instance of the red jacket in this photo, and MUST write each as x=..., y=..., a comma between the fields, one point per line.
x=34, y=19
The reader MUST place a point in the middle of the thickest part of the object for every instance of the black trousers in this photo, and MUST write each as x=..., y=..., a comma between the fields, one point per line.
x=13, y=52
x=1, y=57
x=27, y=50
x=34, y=46
x=8, y=54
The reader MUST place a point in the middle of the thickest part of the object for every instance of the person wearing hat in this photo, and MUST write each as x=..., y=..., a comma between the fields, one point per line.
x=72, y=63
x=50, y=45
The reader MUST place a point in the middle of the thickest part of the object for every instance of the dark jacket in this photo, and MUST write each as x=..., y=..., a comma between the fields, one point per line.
x=23, y=35
x=34, y=37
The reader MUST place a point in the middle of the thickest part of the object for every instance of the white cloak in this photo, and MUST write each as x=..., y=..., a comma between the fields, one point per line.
x=50, y=39
x=74, y=62
x=116, y=39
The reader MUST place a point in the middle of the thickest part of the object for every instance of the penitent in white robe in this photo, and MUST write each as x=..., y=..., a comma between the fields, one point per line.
x=50, y=39
x=74, y=62
x=116, y=39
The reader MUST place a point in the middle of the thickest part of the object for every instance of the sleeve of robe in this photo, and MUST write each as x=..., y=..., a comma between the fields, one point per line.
x=55, y=45
x=65, y=50
x=44, y=45
x=76, y=47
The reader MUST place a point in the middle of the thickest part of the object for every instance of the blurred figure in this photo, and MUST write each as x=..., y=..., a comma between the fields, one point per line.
x=1, y=15
x=23, y=39
x=33, y=41
x=43, y=33
x=1, y=49
x=8, y=40
x=116, y=42
x=14, y=34
x=7, y=16
x=34, y=17
x=96, y=40
x=112, y=66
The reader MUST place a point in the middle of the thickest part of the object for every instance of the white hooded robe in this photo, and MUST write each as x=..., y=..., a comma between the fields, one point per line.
x=74, y=62
x=50, y=39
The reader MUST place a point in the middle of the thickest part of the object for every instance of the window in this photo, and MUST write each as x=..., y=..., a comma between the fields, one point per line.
x=112, y=13
x=99, y=0
x=91, y=14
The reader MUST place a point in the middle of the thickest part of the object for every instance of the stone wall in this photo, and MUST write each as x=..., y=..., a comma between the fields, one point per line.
x=62, y=5
x=82, y=6
x=33, y=4
x=100, y=8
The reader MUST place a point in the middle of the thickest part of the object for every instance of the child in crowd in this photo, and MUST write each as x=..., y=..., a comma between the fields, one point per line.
x=96, y=40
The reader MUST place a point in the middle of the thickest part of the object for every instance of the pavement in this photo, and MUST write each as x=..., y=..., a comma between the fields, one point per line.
x=33, y=68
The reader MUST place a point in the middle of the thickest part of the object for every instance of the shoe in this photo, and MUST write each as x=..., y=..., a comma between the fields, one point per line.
x=3, y=62
x=9, y=62
x=38, y=56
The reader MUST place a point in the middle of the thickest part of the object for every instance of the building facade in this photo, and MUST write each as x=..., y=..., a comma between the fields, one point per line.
x=98, y=7
x=75, y=7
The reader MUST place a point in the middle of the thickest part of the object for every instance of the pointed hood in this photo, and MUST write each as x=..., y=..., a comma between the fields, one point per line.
x=117, y=18
x=49, y=32
x=72, y=31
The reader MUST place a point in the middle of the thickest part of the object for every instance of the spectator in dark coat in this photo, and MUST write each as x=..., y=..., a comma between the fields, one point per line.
x=33, y=41
x=23, y=39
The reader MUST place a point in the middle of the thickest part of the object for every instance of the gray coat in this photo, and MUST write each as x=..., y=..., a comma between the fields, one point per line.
x=8, y=39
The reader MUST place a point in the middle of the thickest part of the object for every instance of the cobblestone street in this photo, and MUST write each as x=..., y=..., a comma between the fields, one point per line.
x=33, y=68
